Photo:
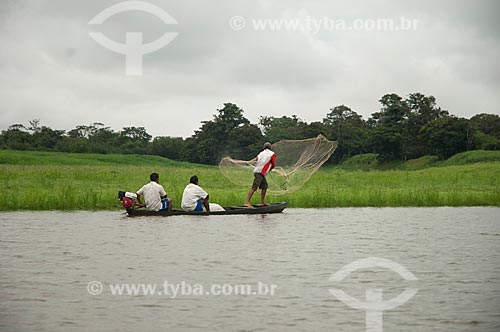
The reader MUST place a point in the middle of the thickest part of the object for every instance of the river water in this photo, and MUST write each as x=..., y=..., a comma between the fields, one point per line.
x=63, y=271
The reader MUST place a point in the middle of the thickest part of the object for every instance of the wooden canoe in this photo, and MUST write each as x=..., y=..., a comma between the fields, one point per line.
x=259, y=209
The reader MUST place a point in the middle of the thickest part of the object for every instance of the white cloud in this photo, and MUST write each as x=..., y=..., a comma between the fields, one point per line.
x=51, y=69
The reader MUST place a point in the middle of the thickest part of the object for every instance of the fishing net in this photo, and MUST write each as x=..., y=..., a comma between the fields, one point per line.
x=297, y=161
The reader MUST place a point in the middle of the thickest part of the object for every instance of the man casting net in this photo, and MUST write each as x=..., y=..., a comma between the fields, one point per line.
x=297, y=161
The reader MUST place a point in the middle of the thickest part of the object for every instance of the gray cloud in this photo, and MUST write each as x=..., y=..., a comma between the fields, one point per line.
x=51, y=69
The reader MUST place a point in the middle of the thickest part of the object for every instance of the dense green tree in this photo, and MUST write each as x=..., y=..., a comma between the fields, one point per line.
x=73, y=144
x=347, y=128
x=208, y=143
x=447, y=136
x=285, y=127
x=94, y=138
x=104, y=140
x=314, y=129
x=135, y=134
x=341, y=117
x=422, y=110
x=133, y=140
x=387, y=135
x=245, y=142
x=16, y=137
x=387, y=142
x=486, y=131
x=83, y=131
x=394, y=111
x=188, y=152
x=230, y=117
x=212, y=141
x=484, y=141
x=487, y=123
x=45, y=138
x=402, y=129
x=168, y=147
x=396, y=131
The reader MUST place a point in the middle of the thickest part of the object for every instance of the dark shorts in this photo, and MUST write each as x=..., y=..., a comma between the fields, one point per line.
x=164, y=204
x=259, y=181
x=199, y=206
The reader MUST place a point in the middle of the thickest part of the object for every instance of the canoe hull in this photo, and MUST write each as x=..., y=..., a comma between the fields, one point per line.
x=230, y=210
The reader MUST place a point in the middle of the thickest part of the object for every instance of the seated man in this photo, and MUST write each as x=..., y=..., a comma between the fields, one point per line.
x=194, y=198
x=155, y=197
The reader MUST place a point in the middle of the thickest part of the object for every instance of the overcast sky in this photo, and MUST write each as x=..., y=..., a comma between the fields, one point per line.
x=51, y=68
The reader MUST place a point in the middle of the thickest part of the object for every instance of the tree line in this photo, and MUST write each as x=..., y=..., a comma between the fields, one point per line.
x=404, y=128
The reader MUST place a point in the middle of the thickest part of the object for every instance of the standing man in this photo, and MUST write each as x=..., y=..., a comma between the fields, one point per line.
x=266, y=161
x=155, y=197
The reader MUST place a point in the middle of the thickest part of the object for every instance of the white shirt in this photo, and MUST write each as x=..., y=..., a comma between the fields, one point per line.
x=192, y=193
x=264, y=161
x=152, y=193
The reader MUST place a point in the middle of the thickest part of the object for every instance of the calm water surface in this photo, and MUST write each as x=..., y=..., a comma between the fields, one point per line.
x=48, y=259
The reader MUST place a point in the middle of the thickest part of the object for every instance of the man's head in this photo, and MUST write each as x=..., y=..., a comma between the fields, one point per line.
x=154, y=177
x=268, y=145
x=193, y=179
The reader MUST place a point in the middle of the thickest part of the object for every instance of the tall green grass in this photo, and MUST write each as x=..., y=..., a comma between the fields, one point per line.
x=470, y=157
x=361, y=162
x=48, y=181
x=468, y=185
x=369, y=161
x=9, y=157
x=419, y=163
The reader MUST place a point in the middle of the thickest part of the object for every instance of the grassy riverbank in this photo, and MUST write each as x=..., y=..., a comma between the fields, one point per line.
x=47, y=181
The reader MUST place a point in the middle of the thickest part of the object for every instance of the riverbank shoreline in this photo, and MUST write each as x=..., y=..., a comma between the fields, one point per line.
x=60, y=182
